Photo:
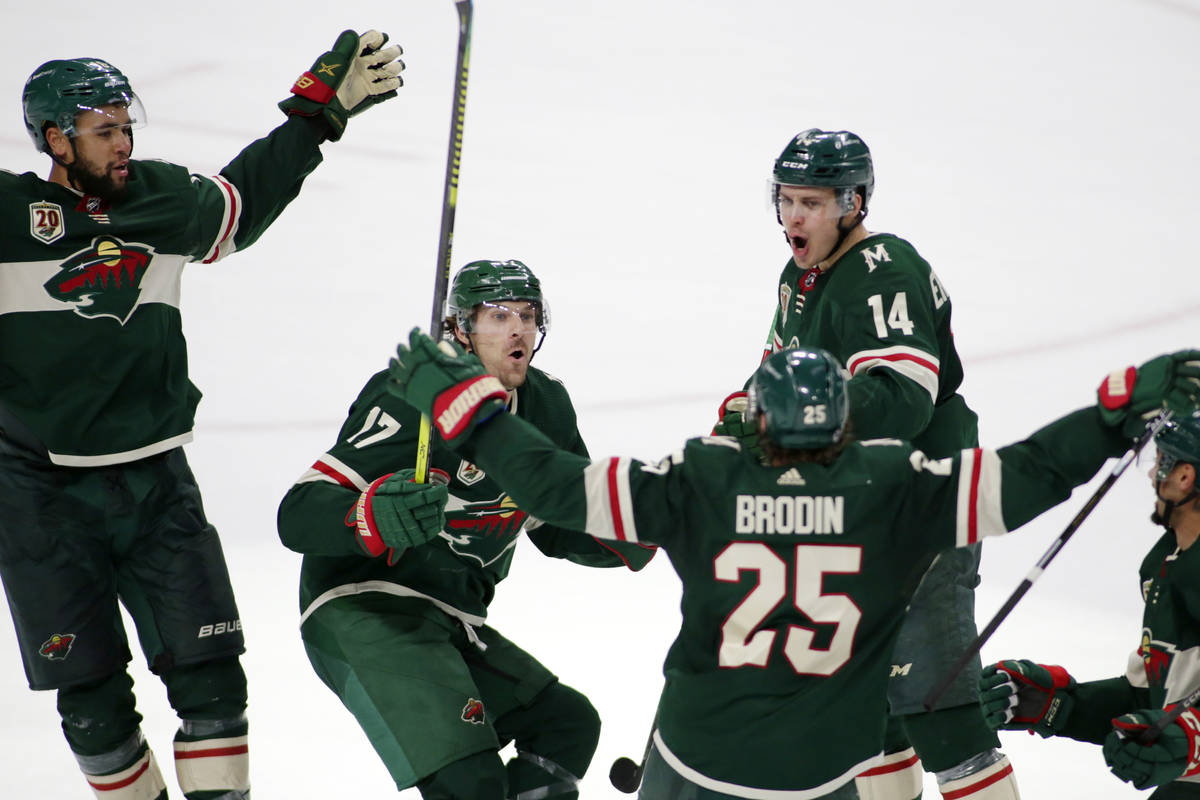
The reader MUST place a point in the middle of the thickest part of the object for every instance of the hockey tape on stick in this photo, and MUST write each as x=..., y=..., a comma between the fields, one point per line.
x=1040, y=567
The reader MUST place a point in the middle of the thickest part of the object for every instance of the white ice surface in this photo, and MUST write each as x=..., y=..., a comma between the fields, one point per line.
x=1041, y=155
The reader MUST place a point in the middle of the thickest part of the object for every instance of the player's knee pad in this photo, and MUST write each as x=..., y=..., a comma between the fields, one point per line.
x=948, y=737
x=208, y=690
x=127, y=772
x=212, y=758
x=99, y=717
x=560, y=725
x=985, y=776
x=898, y=777
x=476, y=777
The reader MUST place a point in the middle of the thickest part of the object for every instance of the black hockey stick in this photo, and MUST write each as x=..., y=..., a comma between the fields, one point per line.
x=1040, y=567
x=1152, y=732
x=625, y=774
x=449, y=203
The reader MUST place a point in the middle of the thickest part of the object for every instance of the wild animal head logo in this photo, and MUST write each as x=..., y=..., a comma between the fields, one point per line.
x=103, y=280
x=57, y=647
x=473, y=712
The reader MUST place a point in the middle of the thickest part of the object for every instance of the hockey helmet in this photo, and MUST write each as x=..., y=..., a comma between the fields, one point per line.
x=802, y=396
x=836, y=159
x=58, y=91
x=494, y=282
x=1178, y=441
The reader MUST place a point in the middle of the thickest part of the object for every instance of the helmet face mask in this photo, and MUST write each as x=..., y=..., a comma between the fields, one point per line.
x=1178, y=442
x=58, y=92
x=839, y=160
x=494, y=288
x=802, y=398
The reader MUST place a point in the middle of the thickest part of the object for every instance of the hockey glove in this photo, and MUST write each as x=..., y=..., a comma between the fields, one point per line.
x=1175, y=753
x=394, y=514
x=1131, y=397
x=731, y=421
x=353, y=76
x=442, y=380
x=1024, y=696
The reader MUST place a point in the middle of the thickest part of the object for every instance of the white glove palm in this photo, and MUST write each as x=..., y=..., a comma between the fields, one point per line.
x=374, y=74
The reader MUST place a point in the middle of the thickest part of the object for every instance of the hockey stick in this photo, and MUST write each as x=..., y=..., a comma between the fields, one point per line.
x=625, y=774
x=1040, y=567
x=449, y=202
x=1152, y=732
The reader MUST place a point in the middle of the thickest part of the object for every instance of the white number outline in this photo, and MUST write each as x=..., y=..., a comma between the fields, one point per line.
x=744, y=643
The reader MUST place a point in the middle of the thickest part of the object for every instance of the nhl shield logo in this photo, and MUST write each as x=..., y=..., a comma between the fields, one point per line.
x=468, y=473
x=57, y=647
x=103, y=280
x=46, y=221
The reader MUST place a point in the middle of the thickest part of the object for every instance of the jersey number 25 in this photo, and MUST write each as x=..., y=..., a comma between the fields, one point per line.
x=744, y=644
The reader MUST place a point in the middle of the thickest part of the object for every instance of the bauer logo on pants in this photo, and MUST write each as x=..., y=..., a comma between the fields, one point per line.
x=57, y=647
x=473, y=712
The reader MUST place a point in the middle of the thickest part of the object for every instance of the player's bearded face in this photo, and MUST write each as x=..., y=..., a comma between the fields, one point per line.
x=504, y=336
x=102, y=145
x=810, y=217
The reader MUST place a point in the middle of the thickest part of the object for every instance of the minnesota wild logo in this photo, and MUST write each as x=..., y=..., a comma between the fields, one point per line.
x=484, y=532
x=103, y=280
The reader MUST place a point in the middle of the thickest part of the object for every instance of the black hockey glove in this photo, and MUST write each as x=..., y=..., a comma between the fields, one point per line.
x=353, y=76
x=442, y=380
x=1131, y=397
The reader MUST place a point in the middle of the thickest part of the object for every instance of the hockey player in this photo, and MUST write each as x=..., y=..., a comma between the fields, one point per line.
x=397, y=576
x=1165, y=668
x=871, y=300
x=97, y=503
x=794, y=569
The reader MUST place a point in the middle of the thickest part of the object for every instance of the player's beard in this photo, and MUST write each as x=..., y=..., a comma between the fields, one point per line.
x=85, y=177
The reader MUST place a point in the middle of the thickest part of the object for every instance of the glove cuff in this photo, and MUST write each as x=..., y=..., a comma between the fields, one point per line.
x=1116, y=390
x=735, y=402
x=364, y=520
x=1190, y=723
x=454, y=409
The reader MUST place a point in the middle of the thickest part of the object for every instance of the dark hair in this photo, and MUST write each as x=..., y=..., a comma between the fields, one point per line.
x=782, y=456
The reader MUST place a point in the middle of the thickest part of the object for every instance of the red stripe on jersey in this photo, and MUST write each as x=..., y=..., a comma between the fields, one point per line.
x=614, y=500
x=236, y=750
x=325, y=469
x=967, y=791
x=233, y=215
x=108, y=787
x=887, y=768
x=929, y=365
x=973, y=499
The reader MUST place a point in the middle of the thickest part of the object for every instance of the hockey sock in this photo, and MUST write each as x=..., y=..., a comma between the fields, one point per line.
x=212, y=759
x=986, y=776
x=899, y=777
x=129, y=772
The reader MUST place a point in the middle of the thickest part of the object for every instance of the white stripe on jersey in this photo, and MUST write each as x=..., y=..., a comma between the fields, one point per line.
x=332, y=470
x=22, y=283
x=910, y=362
x=978, y=513
x=609, y=505
x=223, y=245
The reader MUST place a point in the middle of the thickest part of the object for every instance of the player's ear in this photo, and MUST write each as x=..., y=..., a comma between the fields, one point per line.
x=462, y=338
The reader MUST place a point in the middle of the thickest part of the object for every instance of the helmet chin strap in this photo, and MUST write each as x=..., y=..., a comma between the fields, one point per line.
x=1169, y=506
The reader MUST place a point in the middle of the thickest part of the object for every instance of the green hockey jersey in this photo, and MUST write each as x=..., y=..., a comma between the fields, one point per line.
x=458, y=571
x=795, y=579
x=93, y=362
x=1168, y=659
x=881, y=309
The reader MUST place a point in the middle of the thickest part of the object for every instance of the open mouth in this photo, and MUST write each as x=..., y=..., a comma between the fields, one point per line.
x=517, y=355
x=799, y=242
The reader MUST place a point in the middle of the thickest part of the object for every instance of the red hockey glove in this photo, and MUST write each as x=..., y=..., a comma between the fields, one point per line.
x=1022, y=695
x=394, y=514
x=442, y=380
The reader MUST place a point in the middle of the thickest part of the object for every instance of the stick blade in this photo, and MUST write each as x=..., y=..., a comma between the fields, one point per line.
x=625, y=775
